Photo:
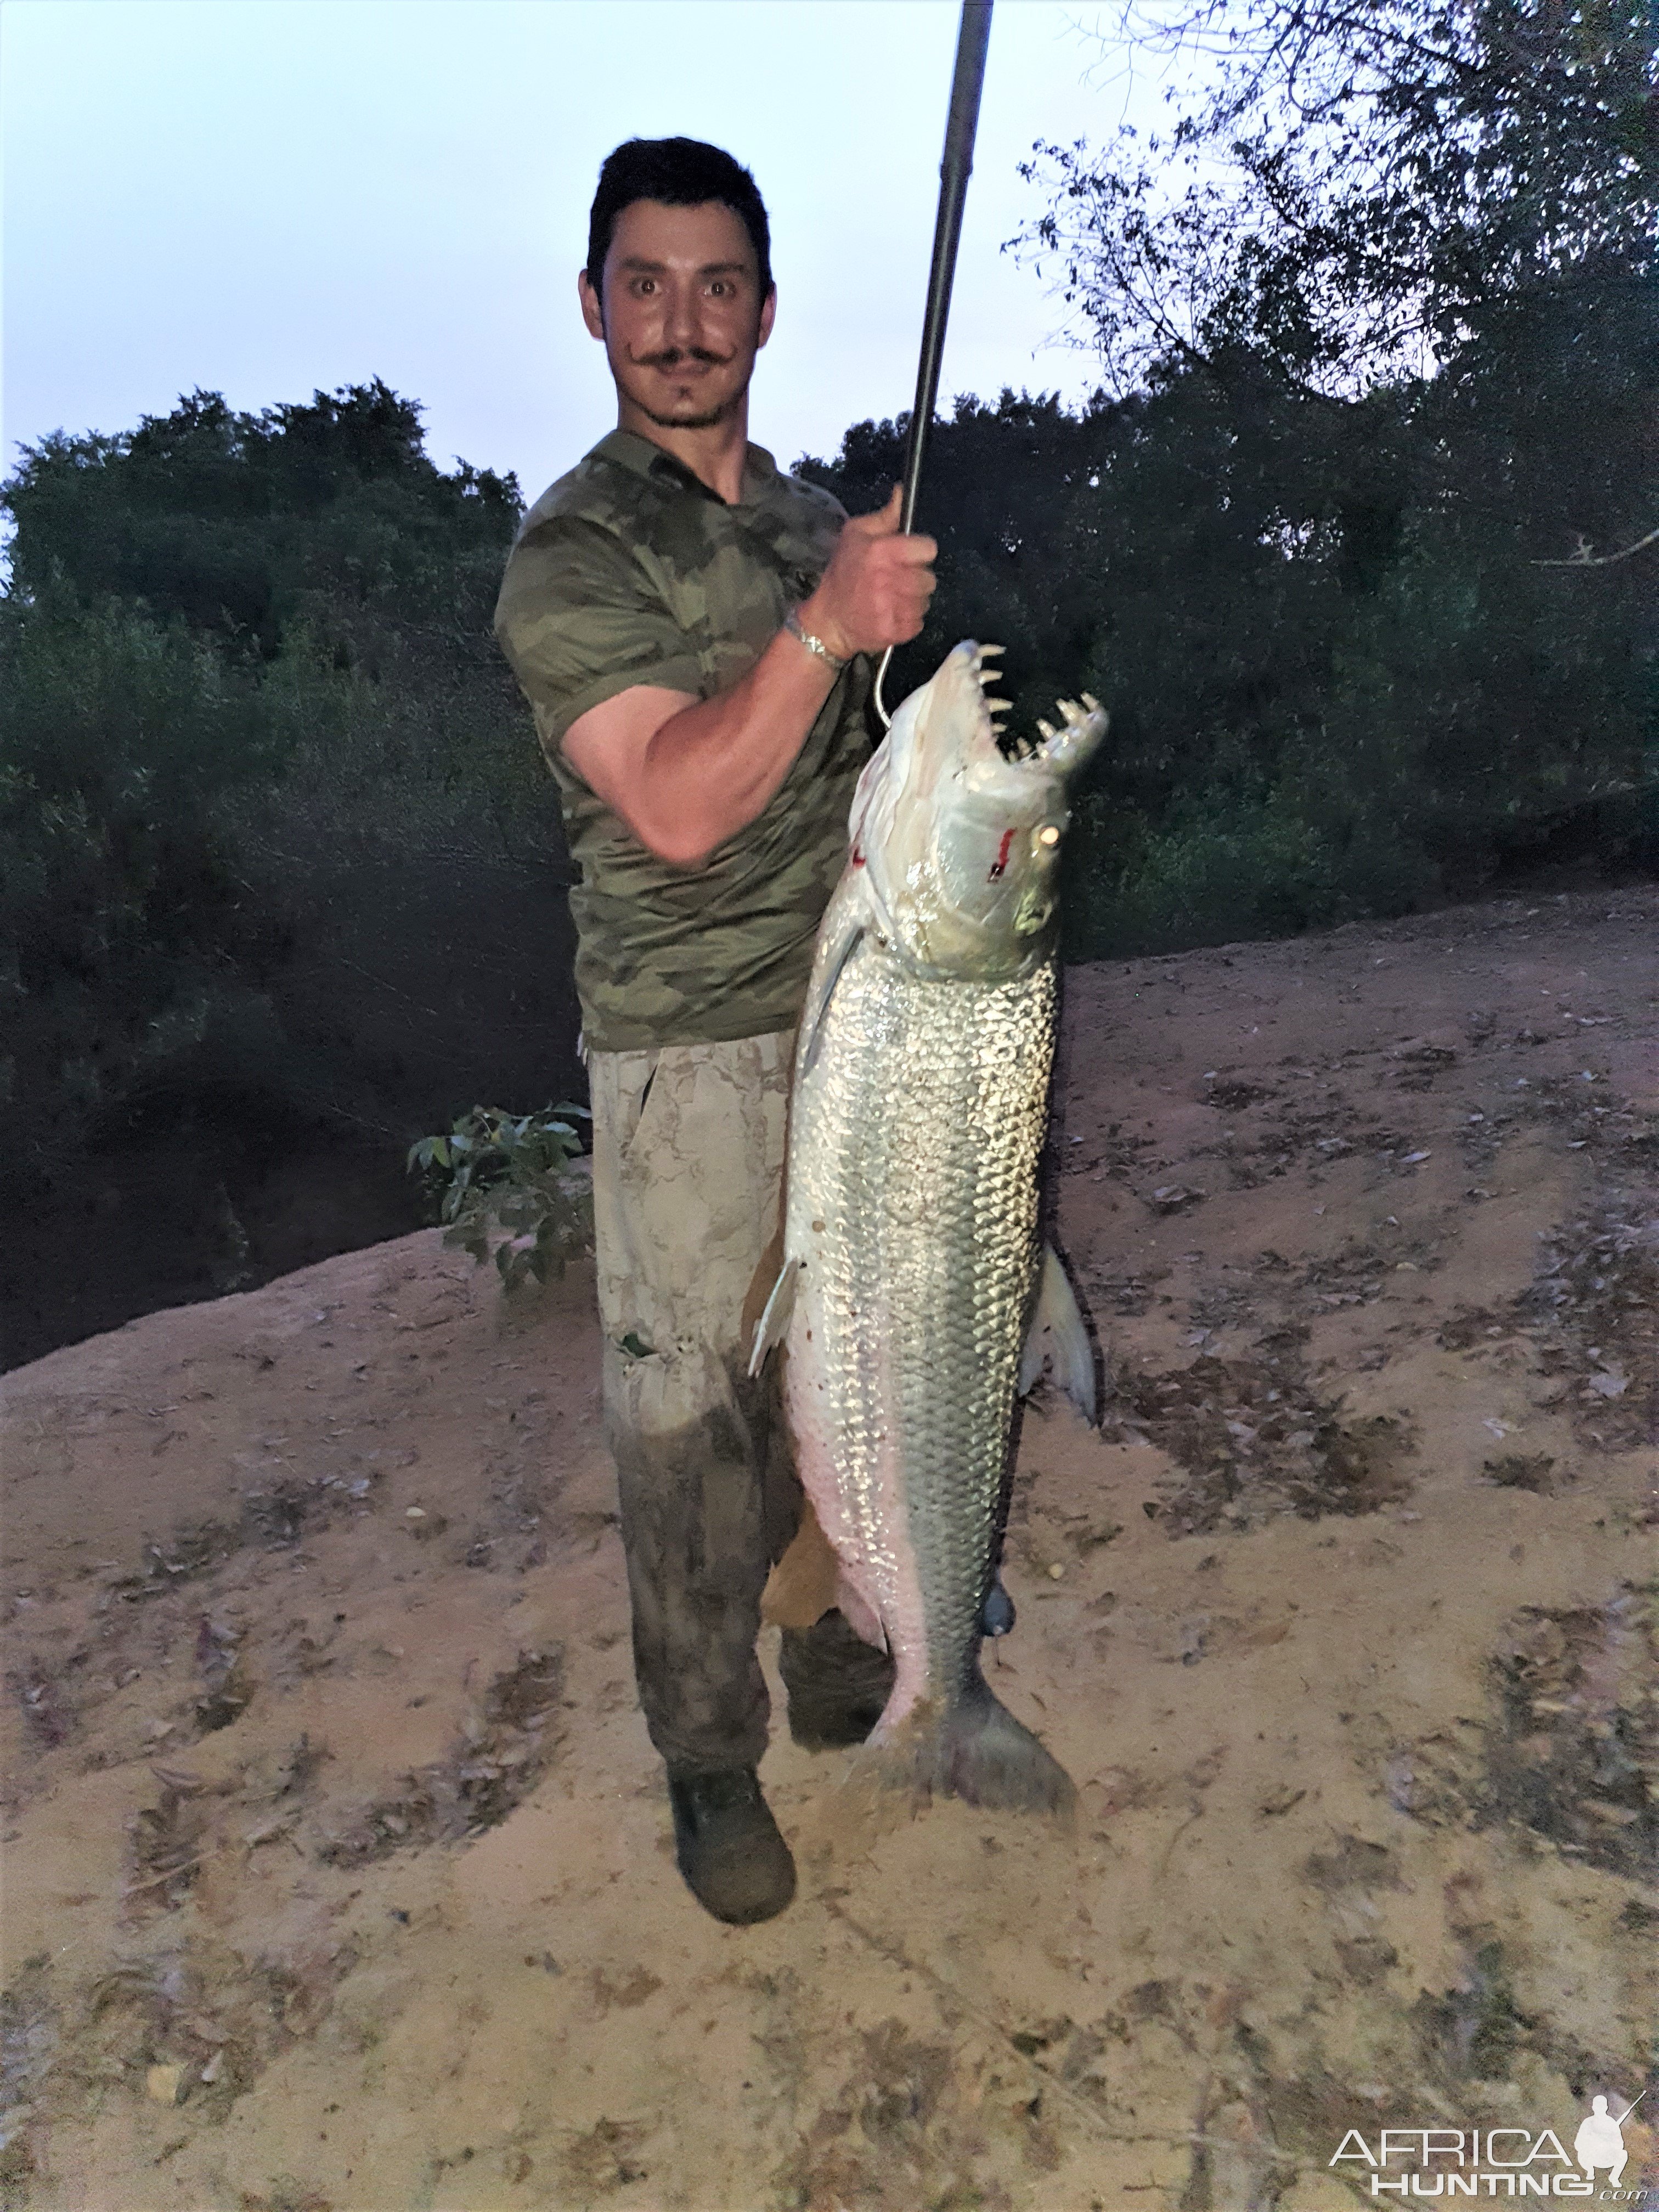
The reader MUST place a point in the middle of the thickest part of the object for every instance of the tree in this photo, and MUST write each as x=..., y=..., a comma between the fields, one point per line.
x=265, y=782
x=328, y=512
x=1407, y=248
x=1357, y=183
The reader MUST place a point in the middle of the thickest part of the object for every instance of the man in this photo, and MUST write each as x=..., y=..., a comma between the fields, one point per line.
x=693, y=628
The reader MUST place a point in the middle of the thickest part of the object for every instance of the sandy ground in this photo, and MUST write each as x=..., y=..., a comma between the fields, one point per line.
x=337, y=1875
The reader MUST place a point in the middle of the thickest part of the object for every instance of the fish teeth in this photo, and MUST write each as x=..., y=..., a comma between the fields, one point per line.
x=1091, y=702
x=985, y=649
x=1048, y=729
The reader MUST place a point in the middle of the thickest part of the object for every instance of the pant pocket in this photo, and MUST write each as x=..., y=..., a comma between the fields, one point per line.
x=636, y=1105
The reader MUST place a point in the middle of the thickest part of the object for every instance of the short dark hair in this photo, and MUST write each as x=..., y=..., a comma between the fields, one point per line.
x=680, y=173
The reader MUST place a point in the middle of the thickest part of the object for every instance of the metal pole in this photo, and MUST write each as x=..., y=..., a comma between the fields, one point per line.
x=973, y=37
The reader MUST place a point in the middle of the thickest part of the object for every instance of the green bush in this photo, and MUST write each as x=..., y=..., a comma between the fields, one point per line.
x=1233, y=865
x=504, y=1187
x=124, y=941
x=275, y=833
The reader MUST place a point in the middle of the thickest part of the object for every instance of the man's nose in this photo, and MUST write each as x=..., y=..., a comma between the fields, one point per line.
x=683, y=323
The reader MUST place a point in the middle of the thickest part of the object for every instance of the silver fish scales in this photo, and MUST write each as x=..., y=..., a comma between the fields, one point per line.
x=915, y=1274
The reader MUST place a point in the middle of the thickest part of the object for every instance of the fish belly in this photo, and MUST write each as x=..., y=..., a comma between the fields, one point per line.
x=914, y=1150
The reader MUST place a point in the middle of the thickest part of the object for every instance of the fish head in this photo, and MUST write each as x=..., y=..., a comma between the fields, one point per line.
x=958, y=841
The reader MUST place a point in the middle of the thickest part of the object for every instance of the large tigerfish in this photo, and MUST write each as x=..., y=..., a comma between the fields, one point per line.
x=915, y=1276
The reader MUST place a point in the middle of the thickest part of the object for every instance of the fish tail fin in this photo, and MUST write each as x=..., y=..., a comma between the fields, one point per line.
x=975, y=1749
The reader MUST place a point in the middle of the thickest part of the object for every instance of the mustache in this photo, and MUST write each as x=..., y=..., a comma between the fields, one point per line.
x=672, y=356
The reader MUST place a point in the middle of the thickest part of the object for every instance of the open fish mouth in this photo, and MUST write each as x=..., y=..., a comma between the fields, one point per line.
x=957, y=723
x=1062, y=748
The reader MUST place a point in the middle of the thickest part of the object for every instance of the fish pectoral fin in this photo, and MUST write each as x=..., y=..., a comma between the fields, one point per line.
x=774, y=1323
x=1058, y=1340
x=840, y=952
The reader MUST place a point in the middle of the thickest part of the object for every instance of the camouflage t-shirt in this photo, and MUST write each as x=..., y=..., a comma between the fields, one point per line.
x=631, y=571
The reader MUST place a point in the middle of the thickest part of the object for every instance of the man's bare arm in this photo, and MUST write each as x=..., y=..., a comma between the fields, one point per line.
x=686, y=774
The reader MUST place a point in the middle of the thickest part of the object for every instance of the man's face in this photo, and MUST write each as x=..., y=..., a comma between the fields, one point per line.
x=681, y=315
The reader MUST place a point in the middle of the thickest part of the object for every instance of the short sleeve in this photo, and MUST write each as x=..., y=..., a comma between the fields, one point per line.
x=579, y=620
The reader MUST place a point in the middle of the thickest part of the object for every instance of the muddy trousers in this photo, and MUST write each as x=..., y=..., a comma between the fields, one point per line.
x=689, y=1145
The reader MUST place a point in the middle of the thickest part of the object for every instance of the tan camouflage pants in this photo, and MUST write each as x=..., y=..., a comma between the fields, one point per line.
x=689, y=1145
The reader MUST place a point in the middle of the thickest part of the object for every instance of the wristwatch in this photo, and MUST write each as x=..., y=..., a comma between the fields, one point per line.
x=792, y=623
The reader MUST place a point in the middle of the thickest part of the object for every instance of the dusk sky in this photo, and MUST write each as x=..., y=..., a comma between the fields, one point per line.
x=265, y=196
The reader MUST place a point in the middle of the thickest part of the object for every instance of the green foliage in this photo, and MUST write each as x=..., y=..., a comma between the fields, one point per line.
x=504, y=1176
x=120, y=934
x=328, y=514
x=1305, y=852
x=273, y=826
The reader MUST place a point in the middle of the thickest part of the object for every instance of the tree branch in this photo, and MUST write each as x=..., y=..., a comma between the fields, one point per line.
x=1583, y=558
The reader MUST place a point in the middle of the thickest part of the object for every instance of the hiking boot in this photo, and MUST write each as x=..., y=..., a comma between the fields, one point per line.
x=838, y=1684
x=735, y=1863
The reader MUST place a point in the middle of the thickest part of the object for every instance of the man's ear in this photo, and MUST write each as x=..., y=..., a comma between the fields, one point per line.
x=768, y=316
x=592, y=305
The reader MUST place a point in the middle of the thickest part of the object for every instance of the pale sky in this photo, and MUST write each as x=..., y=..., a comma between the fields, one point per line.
x=266, y=196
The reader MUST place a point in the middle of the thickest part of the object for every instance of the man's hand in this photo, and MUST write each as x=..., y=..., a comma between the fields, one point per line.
x=875, y=592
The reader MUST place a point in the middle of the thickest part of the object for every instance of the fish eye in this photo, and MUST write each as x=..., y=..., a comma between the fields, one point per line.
x=1047, y=835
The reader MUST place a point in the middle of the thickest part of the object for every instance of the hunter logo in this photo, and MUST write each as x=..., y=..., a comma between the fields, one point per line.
x=1492, y=2162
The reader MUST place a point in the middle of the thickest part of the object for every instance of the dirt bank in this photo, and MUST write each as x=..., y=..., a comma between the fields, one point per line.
x=337, y=1874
